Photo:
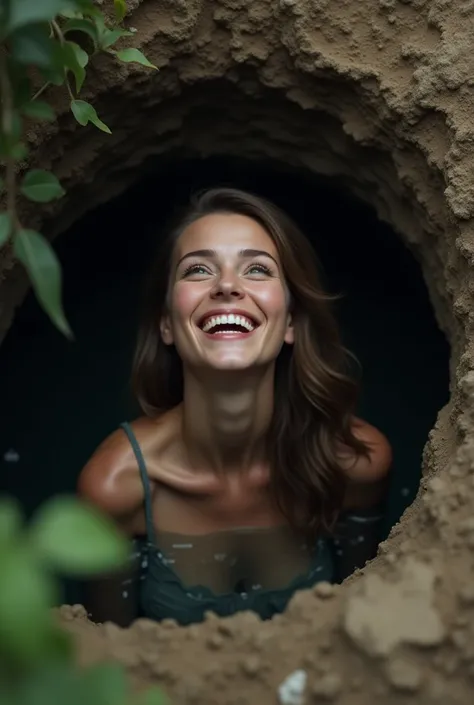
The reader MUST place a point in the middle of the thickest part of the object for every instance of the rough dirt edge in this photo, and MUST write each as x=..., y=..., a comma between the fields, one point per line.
x=377, y=93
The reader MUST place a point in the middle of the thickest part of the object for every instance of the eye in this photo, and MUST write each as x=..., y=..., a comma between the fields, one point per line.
x=195, y=269
x=259, y=268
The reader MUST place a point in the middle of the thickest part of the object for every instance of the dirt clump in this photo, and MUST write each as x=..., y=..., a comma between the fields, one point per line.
x=387, y=614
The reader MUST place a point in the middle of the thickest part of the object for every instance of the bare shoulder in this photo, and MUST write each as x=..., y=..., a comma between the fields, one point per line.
x=111, y=478
x=367, y=475
x=377, y=464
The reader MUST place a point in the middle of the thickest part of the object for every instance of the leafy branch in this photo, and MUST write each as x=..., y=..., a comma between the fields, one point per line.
x=53, y=40
x=36, y=654
x=56, y=40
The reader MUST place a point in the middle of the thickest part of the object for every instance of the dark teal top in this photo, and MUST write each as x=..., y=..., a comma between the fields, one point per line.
x=163, y=595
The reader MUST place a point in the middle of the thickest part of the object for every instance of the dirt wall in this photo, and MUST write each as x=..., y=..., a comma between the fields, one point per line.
x=378, y=94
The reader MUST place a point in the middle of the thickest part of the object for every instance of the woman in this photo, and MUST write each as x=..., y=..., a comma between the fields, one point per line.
x=248, y=452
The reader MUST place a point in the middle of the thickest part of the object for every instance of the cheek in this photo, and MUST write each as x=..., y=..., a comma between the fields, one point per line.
x=273, y=300
x=183, y=301
x=180, y=300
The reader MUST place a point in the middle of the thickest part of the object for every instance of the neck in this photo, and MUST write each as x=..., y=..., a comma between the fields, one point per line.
x=226, y=419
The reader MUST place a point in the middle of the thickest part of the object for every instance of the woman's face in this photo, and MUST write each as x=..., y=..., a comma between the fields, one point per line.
x=228, y=306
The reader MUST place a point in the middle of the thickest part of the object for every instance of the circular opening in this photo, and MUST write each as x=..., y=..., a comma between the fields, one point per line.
x=73, y=395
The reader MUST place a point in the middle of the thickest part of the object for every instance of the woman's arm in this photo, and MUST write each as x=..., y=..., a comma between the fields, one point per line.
x=367, y=475
x=111, y=482
x=358, y=529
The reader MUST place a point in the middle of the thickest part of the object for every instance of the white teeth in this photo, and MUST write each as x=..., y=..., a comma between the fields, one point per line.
x=231, y=319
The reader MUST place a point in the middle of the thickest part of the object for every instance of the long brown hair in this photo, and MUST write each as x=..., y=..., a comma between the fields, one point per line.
x=314, y=396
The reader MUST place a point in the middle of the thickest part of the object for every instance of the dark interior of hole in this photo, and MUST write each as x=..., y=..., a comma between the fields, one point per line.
x=60, y=399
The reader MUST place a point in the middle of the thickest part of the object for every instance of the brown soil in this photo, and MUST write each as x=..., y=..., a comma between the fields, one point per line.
x=377, y=93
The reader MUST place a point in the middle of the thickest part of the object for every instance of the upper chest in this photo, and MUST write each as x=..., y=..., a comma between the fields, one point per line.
x=203, y=502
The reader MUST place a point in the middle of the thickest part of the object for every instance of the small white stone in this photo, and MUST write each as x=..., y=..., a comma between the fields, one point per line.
x=11, y=456
x=291, y=691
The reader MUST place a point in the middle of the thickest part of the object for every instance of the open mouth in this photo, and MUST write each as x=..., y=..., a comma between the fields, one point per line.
x=228, y=324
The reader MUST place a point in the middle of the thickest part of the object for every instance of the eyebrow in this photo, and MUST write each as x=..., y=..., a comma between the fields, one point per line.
x=212, y=254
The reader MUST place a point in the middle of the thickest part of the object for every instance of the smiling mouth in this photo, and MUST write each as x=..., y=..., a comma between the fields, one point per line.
x=230, y=324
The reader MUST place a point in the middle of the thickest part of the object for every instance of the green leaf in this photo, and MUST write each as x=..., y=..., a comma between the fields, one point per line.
x=85, y=113
x=87, y=7
x=82, y=25
x=15, y=128
x=50, y=683
x=44, y=269
x=81, y=55
x=64, y=684
x=5, y=228
x=39, y=110
x=134, y=56
x=26, y=596
x=11, y=519
x=55, y=76
x=59, y=645
x=152, y=696
x=41, y=186
x=19, y=151
x=71, y=14
x=77, y=539
x=25, y=12
x=32, y=45
x=20, y=81
x=75, y=59
x=10, y=146
x=99, y=21
x=110, y=36
x=106, y=682
x=4, y=146
x=10, y=141
x=120, y=9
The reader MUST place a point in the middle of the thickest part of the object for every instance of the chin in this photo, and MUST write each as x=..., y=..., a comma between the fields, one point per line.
x=231, y=361
x=233, y=364
x=230, y=365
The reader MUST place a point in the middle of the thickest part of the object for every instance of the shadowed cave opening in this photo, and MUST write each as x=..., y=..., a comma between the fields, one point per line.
x=60, y=399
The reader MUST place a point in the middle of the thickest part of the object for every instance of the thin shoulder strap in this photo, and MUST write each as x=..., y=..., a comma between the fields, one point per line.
x=150, y=529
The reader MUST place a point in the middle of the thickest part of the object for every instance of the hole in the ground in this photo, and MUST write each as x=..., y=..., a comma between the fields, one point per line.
x=59, y=400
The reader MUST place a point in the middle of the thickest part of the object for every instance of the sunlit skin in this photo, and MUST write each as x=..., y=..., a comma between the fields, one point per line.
x=206, y=458
x=227, y=264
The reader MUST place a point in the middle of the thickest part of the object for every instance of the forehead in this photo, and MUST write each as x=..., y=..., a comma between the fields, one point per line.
x=225, y=233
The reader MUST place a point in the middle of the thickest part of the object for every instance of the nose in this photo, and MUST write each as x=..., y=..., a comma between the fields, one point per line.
x=228, y=286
